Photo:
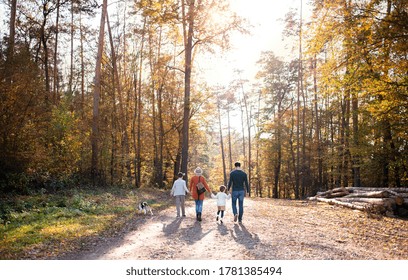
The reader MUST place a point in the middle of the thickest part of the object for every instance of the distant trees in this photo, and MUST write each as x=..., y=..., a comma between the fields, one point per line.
x=353, y=107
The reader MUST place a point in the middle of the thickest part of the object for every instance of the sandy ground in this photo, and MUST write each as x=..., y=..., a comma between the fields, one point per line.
x=272, y=229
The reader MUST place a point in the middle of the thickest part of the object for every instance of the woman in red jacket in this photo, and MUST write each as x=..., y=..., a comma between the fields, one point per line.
x=198, y=198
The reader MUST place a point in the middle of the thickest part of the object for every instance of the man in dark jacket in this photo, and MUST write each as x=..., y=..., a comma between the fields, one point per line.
x=239, y=182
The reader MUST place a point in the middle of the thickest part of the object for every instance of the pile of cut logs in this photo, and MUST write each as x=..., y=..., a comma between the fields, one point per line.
x=384, y=201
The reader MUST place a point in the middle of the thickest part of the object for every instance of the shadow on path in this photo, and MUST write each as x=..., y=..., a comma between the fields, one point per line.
x=170, y=229
x=222, y=229
x=242, y=236
x=194, y=233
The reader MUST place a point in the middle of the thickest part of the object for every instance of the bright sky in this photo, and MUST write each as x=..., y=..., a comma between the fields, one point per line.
x=266, y=16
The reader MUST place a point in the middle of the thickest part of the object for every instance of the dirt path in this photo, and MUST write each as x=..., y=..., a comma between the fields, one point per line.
x=272, y=229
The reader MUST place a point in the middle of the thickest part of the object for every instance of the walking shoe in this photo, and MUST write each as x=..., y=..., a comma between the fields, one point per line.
x=235, y=217
x=217, y=218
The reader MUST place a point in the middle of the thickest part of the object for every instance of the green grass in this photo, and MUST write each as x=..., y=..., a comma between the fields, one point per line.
x=44, y=226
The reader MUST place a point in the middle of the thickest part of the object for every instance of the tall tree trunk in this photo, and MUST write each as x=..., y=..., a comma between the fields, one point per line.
x=138, y=109
x=71, y=68
x=96, y=97
x=243, y=131
x=346, y=157
x=81, y=36
x=257, y=158
x=188, y=24
x=160, y=172
x=356, y=158
x=10, y=48
x=122, y=118
x=278, y=162
x=347, y=95
x=229, y=138
x=153, y=74
x=157, y=85
x=342, y=122
x=114, y=115
x=293, y=153
x=56, y=80
x=389, y=148
x=43, y=38
x=249, y=118
x=318, y=131
x=299, y=93
x=224, y=172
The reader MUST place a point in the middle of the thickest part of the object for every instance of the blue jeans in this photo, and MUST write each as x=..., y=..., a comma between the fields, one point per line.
x=240, y=196
x=199, y=206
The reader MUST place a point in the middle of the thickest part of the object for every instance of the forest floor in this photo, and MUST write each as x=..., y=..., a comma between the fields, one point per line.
x=271, y=229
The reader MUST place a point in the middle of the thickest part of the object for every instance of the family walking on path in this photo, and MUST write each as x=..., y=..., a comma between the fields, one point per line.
x=198, y=186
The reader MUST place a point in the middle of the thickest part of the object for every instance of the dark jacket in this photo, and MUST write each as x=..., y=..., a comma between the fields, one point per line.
x=238, y=181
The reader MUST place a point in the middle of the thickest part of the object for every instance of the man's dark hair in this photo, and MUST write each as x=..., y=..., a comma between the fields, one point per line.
x=180, y=174
x=237, y=164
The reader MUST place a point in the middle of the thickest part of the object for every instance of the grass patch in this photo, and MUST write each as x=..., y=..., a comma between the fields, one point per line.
x=44, y=226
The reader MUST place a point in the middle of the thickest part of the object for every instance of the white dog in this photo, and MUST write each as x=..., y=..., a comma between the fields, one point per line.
x=144, y=208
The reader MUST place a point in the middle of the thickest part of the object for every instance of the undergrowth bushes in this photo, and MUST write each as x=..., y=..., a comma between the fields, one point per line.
x=30, y=224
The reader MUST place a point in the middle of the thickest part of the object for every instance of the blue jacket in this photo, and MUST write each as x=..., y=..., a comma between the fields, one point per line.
x=238, y=180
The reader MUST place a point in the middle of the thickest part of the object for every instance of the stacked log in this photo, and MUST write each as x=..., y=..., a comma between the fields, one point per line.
x=384, y=201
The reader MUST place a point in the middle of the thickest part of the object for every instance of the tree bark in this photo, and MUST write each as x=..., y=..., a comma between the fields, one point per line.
x=71, y=68
x=43, y=38
x=96, y=97
x=188, y=25
x=222, y=144
x=138, y=109
x=56, y=80
x=318, y=130
x=10, y=48
x=229, y=138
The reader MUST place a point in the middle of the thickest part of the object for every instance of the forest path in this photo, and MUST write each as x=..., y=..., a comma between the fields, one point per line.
x=272, y=229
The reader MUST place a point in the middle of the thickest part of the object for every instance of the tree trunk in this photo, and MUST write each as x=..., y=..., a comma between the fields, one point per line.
x=222, y=144
x=293, y=155
x=356, y=158
x=278, y=162
x=56, y=80
x=188, y=24
x=318, y=130
x=10, y=48
x=122, y=118
x=71, y=68
x=257, y=158
x=96, y=97
x=44, y=44
x=248, y=123
x=229, y=139
x=81, y=36
x=340, y=203
x=372, y=194
x=138, y=109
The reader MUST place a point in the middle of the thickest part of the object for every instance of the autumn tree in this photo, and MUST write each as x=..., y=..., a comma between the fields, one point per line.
x=200, y=28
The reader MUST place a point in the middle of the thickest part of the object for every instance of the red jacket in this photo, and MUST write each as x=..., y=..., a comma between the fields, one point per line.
x=193, y=188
